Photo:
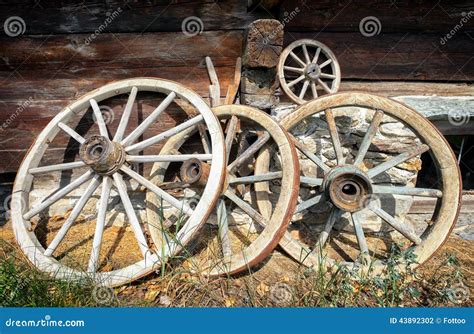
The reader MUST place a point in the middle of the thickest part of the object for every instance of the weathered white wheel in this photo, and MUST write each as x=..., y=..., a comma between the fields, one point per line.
x=308, y=69
x=109, y=163
x=239, y=236
x=342, y=186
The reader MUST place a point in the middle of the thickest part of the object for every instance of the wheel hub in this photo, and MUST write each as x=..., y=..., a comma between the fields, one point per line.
x=195, y=172
x=348, y=188
x=312, y=71
x=102, y=155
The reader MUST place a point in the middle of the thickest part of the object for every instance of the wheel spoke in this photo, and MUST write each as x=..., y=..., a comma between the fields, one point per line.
x=297, y=59
x=423, y=192
x=293, y=69
x=140, y=146
x=249, y=152
x=206, y=142
x=99, y=118
x=257, y=178
x=58, y=167
x=231, y=130
x=58, y=195
x=327, y=62
x=314, y=90
x=247, y=208
x=304, y=89
x=402, y=157
x=167, y=158
x=327, y=76
x=223, y=225
x=405, y=229
x=159, y=192
x=126, y=115
x=312, y=181
x=334, y=136
x=323, y=84
x=100, y=224
x=357, y=222
x=93, y=185
x=324, y=236
x=316, y=56
x=309, y=155
x=308, y=203
x=132, y=217
x=71, y=133
x=294, y=82
x=139, y=130
x=369, y=135
x=306, y=54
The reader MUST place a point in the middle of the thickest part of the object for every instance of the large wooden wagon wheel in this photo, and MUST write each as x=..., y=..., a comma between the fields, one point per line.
x=308, y=69
x=348, y=187
x=238, y=237
x=113, y=164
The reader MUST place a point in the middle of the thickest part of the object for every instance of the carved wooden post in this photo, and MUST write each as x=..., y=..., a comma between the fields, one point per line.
x=262, y=50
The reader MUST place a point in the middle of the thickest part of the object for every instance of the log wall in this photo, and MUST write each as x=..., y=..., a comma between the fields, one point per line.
x=69, y=48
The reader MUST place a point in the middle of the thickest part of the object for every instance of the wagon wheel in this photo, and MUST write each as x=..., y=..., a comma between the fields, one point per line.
x=108, y=163
x=352, y=191
x=224, y=246
x=308, y=69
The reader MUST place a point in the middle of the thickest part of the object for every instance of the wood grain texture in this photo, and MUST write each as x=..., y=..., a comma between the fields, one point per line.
x=143, y=16
x=399, y=56
x=263, y=44
x=71, y=53
x=394, y=16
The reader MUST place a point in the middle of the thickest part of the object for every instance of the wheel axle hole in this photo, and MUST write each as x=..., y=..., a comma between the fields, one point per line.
x=96, y=151
x=194, y=170
x=349, y=189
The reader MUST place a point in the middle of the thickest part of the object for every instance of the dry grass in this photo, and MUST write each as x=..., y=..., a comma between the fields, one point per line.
x=278, y=281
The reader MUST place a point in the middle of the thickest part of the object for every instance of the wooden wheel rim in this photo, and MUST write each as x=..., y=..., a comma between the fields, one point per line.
x=309, y=84
x=28, y=241
x=447, y=208
x=277, y=224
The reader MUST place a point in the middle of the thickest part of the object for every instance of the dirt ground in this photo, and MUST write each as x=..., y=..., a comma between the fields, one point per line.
x=276, y=269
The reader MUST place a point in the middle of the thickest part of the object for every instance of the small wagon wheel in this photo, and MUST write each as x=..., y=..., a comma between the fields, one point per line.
x=108, y=163
x=348, y=185
x=227, y=247
x=308, y=69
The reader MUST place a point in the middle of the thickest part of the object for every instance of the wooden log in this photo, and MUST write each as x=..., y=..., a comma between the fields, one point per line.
x=394, y=16
x=36, y=84
x=398, y=56
x=119, y=51
x=263, y=44
x=149, y=16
